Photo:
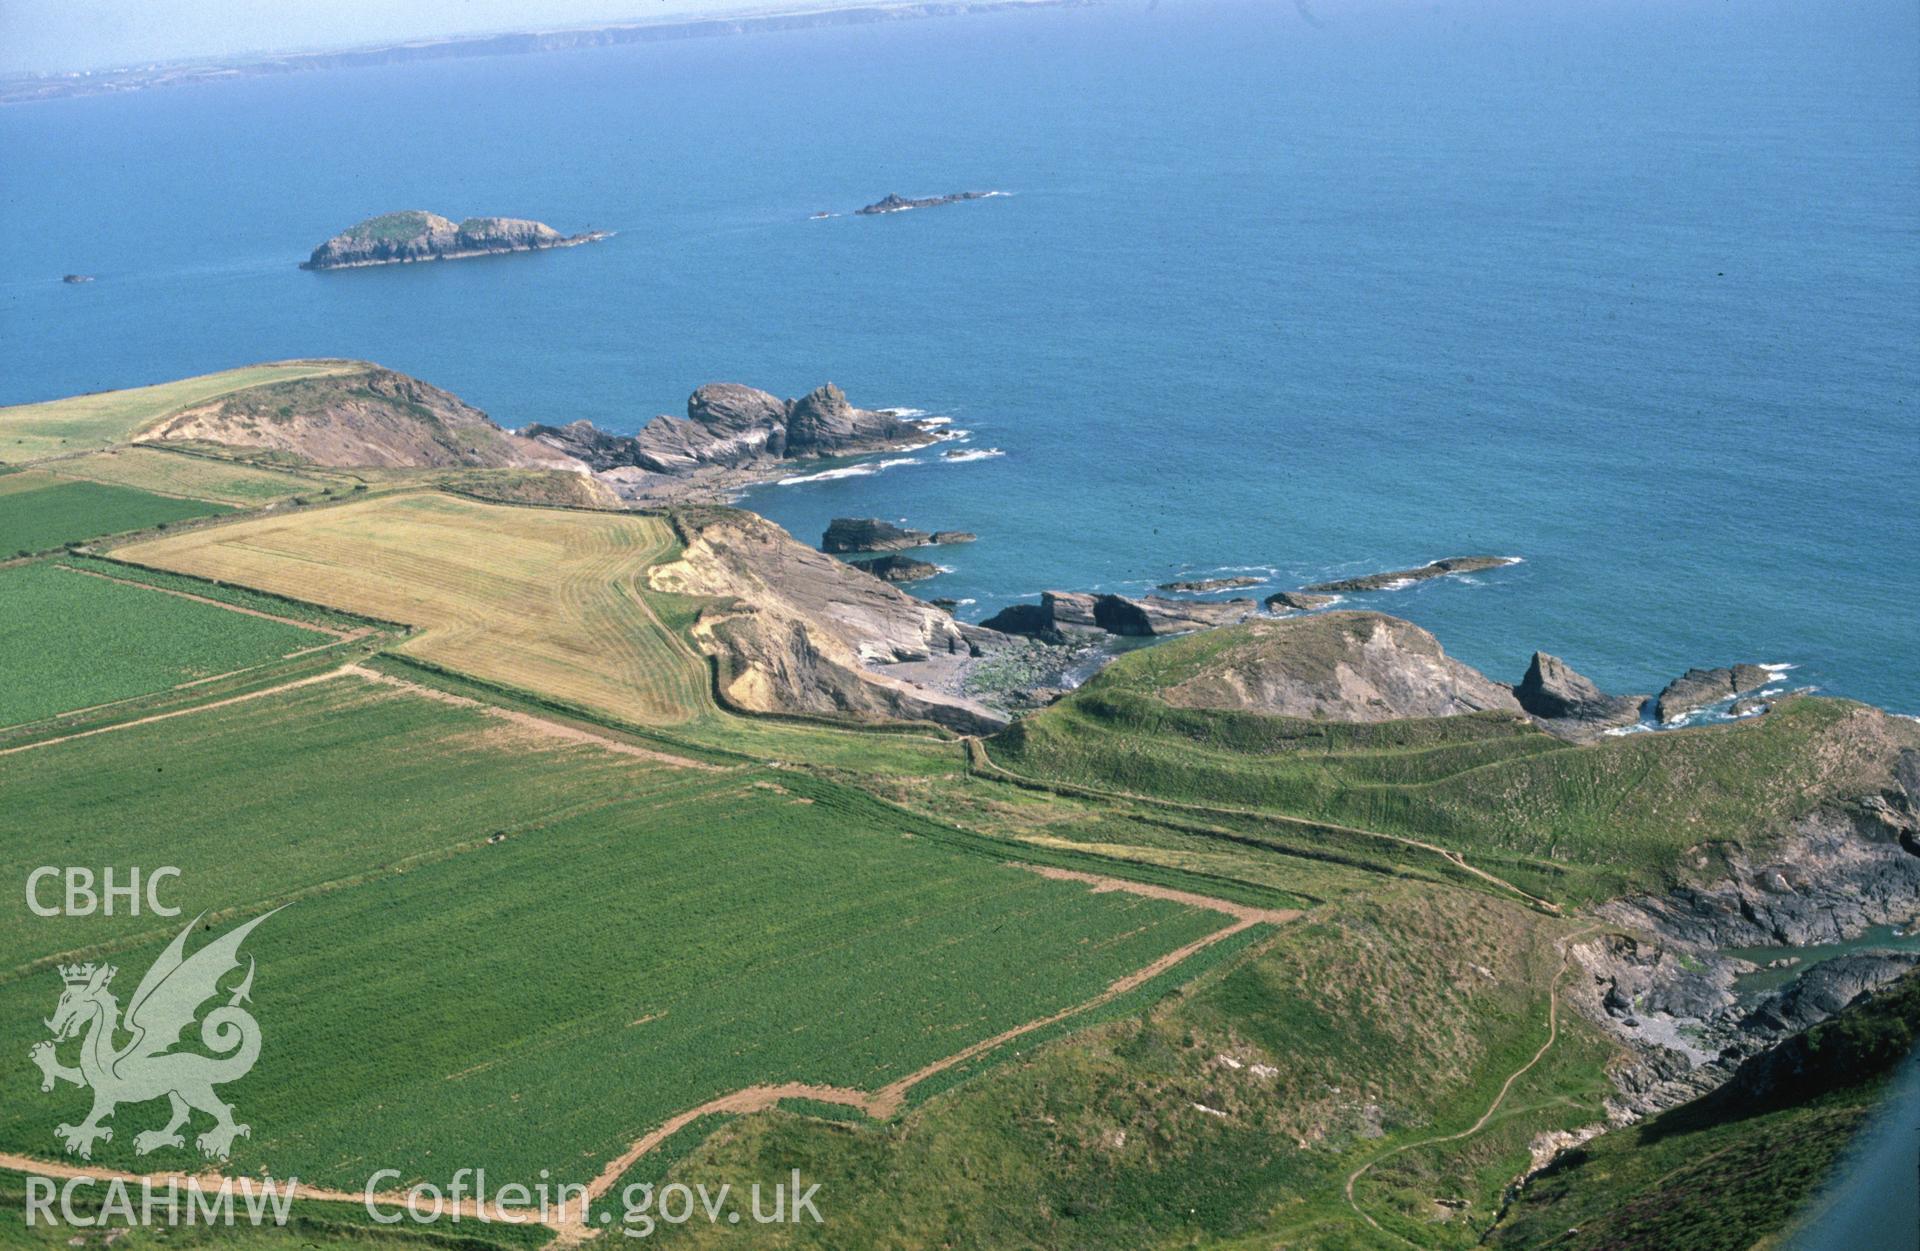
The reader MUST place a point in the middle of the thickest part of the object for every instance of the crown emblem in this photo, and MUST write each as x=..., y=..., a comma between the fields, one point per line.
x=79, y=974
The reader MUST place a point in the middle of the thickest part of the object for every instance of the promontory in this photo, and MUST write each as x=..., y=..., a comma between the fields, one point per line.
x=417, y=235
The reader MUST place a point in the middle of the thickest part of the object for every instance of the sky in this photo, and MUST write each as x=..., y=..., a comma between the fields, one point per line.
x=43, y=36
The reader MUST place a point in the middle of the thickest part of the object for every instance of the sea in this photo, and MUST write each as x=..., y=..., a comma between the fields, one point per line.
x=1294, y=289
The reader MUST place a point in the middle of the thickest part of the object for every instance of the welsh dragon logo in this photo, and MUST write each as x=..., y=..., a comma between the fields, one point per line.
x=164, y=1005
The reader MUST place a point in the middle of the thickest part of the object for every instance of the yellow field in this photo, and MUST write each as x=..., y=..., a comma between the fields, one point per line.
x=82, y=423
x=546, y=601
x=196, y=477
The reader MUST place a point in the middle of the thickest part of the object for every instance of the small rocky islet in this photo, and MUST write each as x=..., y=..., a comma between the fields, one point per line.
x=900, y=203
x=416, y=235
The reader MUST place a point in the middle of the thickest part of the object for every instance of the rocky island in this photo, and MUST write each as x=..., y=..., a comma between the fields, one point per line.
x=1395, y=579
x=900, y=203
x=417, y=235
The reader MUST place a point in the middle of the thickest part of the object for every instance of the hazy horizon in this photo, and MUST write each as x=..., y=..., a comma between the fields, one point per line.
x=66, y=36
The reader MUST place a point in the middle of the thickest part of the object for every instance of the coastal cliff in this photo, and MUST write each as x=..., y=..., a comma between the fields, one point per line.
x=417, y=235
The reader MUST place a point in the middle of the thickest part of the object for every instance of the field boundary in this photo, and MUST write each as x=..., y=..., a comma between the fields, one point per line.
x=980, y=764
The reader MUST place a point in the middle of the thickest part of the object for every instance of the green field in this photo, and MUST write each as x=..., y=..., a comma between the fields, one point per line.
x=171, y=472
x=644, y=938
x=39, y=511
x=70, y=640
x=88, y=422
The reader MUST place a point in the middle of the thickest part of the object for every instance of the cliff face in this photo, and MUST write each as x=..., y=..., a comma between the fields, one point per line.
x=729, y=425
x=802, y=632
x=375, y=417
x=417, y=235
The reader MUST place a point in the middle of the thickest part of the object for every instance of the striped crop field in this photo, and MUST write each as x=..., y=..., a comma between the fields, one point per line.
x=541, y=600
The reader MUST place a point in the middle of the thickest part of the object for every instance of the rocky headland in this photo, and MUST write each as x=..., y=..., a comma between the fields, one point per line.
x=1702, y=688
x=417, y=235
x=732, y=435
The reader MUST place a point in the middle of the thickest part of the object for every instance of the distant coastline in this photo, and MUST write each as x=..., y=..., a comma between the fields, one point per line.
x=26, y=88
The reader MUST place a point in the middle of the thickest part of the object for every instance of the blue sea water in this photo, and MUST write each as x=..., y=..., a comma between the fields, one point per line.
x=1630, y=290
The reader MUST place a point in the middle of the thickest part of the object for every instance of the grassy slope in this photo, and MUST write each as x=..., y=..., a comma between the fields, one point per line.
x=1097, y=1143
x=659, y=933
x=199, y=477
x=1723, y=1173
x=117, y=641
x=39, y=511
x=89, y=422
x=1590, y=821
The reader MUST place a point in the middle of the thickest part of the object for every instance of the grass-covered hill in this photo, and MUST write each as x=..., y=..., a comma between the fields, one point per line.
x=1576, y=822
x=360, y=416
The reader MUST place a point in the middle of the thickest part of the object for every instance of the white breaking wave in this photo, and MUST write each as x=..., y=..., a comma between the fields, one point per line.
x=849, y=471
x=918, y=414
x=972, y=453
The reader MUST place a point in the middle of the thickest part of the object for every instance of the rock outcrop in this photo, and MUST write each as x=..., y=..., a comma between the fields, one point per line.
x=729, y=425
x=417, y=235
x=1206, y=586
x=1337, y=666
x=1667, y=987
x=900, y=204
x=1851, y=863
x=1297, y=601
x=1570, y=705
x=1398, y=578
x=1063, y=612
x=896, y=568
x=1702, y=688
x=363, y=417
x=870, y=534
x=795, y=630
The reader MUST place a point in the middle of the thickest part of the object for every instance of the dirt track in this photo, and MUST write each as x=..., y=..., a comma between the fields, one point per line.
x=1553, y=1033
